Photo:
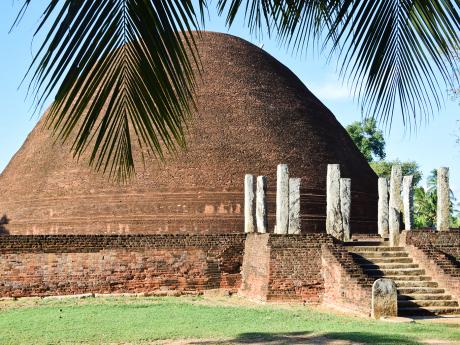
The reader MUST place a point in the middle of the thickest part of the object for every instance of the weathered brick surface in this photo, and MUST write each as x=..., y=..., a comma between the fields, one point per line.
x=252, y=113
x=345, y=284
x=444, y=239
x=50, y=265
x=283, y=267
x=295, y=267
x=256, y=267
x=439, y=254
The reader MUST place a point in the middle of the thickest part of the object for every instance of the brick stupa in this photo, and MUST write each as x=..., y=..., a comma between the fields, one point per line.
x=253, y=113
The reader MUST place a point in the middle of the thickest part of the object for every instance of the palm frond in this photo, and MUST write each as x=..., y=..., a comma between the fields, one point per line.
x=393, y=52
x=296, y=23
x=123, y=70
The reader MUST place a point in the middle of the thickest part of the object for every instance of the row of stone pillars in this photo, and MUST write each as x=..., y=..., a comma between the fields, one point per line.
x=395, y=204
x=287, y=203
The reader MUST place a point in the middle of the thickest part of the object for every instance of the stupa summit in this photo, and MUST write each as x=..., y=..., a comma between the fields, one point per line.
x=252, y=114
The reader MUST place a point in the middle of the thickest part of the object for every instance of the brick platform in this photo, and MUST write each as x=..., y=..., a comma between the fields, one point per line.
x=55, y=265
x=283, y=267
x=438, y=252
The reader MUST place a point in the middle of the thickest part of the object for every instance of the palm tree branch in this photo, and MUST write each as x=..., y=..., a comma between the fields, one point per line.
x=124, y=73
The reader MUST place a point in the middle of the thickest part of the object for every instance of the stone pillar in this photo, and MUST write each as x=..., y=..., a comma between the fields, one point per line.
x=294, y=206
x=384, y=298
x=382, y=214
x=345, y=206
x=282, y=199
x=261, y=204
x=408, y=202
x=442, y=214
x=395, y=205
x=249, y=211
x=333, y=216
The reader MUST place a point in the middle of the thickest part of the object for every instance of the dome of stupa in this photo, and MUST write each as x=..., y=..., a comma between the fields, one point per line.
x=252, y=114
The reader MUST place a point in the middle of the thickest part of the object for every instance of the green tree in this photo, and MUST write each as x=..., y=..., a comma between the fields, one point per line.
x=425, y=204
x=368, y=138
x=383, y=169
x=424, y=208
x=123, y=64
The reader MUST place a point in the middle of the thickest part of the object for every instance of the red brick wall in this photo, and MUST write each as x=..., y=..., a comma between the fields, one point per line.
x=448, y=242
x=449, y=238
x=163, y=213
x=439, y=254
x=283, y=267
x=345, y=284
x=256, y=267
x=53, y=265
x=295, y=267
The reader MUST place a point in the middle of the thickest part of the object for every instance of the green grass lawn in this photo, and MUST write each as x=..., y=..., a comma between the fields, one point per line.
x=141, y=320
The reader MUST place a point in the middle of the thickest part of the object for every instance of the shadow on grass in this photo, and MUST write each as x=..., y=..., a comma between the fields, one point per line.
x=333, y=338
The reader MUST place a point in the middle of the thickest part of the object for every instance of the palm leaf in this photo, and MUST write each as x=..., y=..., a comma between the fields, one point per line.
x=391, y=51
x=123, y=70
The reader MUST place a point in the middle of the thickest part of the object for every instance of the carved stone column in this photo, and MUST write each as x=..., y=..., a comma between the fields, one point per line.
x=261, y=204
x=442, y=214
x=408, y=202
x=382, y=214
x=345, y=206
x=282, y=199
x=333, y=214
x=395, y=205
x=294, y=206
x=249, y=211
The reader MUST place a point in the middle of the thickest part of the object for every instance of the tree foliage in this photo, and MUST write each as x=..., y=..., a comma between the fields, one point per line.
x=425, y=204
x=383, y=169
x=424, y=208
x=123, y=69
x=368, y=138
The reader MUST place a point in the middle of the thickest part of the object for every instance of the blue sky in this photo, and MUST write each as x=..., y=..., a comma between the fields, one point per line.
x=431, y=145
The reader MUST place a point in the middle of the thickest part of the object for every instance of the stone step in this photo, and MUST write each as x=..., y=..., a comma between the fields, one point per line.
x=427, y=311
x=395, y=272
x=424, y=297
x=401, y=278
x=427, y=303
x=367, y=243
x=387, y=266
x=380, y=255
x=419, y=290
x=368, y=236
x=378, y=261
x=358, y=249
x=414, y=284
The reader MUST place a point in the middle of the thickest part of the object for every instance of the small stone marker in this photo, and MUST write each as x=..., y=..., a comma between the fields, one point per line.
x=282, y=199
x=383, y=207
x=261, y=204
x=345, y=206
x=249, y=211
x=333, y=216
x=442, y=213
x=384, y=298
x=294, y=206
x=395, y=205
x=408, y=202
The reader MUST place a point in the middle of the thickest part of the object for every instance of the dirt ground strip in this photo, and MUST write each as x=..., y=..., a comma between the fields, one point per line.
x=279, y=340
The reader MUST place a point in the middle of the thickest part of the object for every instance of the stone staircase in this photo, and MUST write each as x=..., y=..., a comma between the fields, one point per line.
x=418, y=294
